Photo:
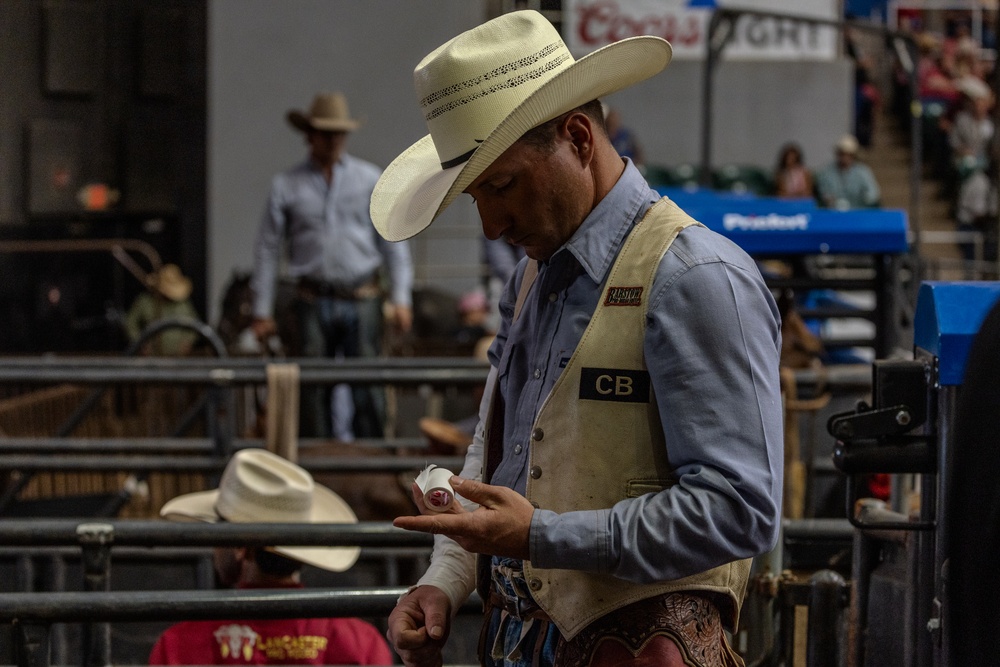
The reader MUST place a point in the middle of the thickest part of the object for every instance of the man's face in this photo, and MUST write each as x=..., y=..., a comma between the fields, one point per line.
x=228, y=565
x=325, y=146
x=844, y=159
x=534, y=197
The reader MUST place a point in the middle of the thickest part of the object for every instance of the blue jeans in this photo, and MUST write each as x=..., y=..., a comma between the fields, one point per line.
x=510, y=641
x=333, y=327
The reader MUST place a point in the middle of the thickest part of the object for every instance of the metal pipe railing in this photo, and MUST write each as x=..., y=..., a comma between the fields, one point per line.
x=42, y=446
x=26, y=463
x=151, y=533
x=227, y=372
x=117, y=606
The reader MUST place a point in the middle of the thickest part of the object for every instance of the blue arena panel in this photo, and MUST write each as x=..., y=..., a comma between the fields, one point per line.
x=948, y=317
x=771, y=226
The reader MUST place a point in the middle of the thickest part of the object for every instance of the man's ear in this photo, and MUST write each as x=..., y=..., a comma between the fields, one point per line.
x=579, y=128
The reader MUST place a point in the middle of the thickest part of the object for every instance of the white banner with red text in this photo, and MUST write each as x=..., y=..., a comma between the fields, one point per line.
x=591, y=24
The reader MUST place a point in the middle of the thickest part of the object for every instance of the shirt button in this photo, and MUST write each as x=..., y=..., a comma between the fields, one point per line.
x=535, y=472
x=517, y=449
x=537, y=373
x=535, y=584
x=552, y=297
x=537, y=434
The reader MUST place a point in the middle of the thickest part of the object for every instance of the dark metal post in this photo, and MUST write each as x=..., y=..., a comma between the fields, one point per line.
x=95, y=540
x=31, y=645
x=58, y=642
x=720, y=31
x=826, y=600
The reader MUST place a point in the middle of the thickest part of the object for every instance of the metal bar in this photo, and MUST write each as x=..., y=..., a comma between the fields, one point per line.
x=31, y=645
x=817, y=529
x=147, y=554
x=827, y=590
x=50, y=445
x=216, y=464
x=136, y=533
x=95, y=542
x=222, y=372
x=117, y=606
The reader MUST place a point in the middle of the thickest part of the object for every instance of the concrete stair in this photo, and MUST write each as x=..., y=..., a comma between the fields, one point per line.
x=889, y=158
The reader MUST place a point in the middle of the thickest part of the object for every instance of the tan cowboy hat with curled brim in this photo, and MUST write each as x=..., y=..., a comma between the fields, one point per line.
x=171, y=283
x=328, y=112
x=480, y=92
x=261, y=487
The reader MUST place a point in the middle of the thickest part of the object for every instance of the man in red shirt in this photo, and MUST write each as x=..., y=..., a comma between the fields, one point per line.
x=259, y=486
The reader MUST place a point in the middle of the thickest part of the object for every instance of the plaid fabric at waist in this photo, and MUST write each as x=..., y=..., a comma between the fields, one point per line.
x=367, y=289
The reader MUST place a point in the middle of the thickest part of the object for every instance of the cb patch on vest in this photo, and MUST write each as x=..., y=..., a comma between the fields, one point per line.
x=614, y=384
x=623, y=296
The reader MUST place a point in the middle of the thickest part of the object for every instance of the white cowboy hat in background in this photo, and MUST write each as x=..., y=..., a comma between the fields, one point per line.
x=261, y=487
x=328, y=112
x=848, y=144
x=480, y=92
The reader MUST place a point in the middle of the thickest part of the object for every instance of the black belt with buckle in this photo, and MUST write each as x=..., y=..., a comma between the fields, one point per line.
x=366, y=290
x=523, y=608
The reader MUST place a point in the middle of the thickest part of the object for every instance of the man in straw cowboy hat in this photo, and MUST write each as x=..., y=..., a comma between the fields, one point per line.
x=260, y=487
x=167, y=298
x=320, y=207
x=628, y=459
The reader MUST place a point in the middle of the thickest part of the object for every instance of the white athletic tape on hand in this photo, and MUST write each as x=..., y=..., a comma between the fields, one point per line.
x=437, y=491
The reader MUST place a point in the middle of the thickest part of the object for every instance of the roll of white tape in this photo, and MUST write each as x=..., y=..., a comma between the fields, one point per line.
x=437, y=491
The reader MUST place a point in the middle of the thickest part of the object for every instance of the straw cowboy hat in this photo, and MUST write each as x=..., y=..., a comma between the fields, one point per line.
x=328, y=112
x=171, y=283
x=480, y=92
x=260, y=487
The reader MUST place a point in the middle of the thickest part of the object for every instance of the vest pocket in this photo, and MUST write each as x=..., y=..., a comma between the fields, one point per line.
x=639, y=487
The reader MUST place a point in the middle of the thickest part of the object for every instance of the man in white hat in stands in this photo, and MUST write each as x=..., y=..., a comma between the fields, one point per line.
x=847, y=182
x=260, y=487
x=320, y=208
x=628, y=460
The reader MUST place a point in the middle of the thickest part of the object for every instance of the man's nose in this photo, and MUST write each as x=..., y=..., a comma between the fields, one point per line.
x=494, y=223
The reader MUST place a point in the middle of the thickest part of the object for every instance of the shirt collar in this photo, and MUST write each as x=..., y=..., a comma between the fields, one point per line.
x=596, y=242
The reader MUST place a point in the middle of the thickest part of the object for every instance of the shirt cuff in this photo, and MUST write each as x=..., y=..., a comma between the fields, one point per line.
x=570, y=541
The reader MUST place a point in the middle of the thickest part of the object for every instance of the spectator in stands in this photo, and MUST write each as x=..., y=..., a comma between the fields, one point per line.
x=792, y=179
x=934, y=81
x=847, y=183
x=258, y=486
x=319, y=210
x=167, y=298
x=972, y=128
x=977, y=210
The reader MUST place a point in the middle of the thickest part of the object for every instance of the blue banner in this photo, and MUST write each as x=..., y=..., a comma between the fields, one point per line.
x=771, y=226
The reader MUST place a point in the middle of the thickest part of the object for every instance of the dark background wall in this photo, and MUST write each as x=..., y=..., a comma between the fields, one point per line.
x=107, y=92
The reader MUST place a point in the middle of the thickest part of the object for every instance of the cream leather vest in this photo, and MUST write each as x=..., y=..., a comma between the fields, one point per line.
x=598, y=440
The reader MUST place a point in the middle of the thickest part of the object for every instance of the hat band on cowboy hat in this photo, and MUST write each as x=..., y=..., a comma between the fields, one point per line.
x=261, y=487
x=480, y=92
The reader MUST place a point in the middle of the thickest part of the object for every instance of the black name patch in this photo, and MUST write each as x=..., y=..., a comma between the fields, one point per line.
x=623, y=296
x=614, y=384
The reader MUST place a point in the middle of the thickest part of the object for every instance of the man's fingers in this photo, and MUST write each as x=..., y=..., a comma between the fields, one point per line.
x=409, y=639
x=482, y=494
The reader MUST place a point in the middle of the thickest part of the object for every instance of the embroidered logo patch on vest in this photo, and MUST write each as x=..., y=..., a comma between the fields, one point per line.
x=623, y=296
x=614, y=384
